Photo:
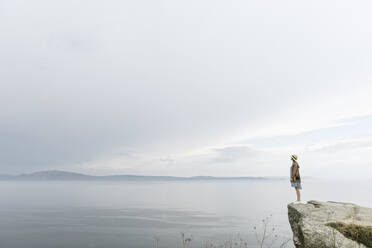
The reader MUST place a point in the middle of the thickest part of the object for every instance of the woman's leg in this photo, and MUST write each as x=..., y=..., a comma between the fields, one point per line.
x=298, y=194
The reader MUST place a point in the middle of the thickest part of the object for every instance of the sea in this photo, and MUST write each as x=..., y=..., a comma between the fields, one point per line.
x=159, y=214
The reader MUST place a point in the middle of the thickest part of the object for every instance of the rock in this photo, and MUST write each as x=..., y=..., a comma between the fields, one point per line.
x=308, y=223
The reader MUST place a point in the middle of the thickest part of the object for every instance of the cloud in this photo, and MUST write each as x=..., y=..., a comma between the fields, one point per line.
x=345, y=145
x=358, y=127
x=167, y=160
x=82, y=82
x=233, y=154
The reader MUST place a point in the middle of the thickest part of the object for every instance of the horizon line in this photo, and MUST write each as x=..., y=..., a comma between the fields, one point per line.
x=134, y=175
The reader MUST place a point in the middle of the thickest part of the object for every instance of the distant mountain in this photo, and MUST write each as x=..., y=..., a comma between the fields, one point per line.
x=57, y=175
x=48, y=175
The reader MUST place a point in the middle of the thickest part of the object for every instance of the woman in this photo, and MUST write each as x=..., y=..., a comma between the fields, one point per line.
x=295, y=177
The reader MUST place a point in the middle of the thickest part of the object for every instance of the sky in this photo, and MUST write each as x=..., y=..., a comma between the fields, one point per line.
x=186, y=88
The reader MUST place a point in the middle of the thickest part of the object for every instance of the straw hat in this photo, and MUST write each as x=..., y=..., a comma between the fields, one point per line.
x=294, y=157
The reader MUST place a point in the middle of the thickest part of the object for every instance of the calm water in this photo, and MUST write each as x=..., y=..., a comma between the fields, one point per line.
x=131, y=214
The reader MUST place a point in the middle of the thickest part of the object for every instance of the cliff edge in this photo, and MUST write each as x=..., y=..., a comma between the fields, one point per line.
x=318, y=224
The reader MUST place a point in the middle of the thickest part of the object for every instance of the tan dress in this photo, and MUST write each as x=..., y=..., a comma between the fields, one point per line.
x=295, y=175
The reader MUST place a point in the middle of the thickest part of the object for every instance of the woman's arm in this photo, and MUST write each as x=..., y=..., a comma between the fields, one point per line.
x=293, y=174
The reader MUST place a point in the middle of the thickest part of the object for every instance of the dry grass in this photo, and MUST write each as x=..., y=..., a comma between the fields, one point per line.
x=358, y=233
x=266, y=237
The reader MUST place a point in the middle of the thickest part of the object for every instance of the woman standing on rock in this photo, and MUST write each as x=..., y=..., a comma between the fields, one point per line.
x=295, y=177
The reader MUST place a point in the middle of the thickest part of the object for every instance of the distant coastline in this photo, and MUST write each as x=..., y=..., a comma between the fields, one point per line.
x=58, y=175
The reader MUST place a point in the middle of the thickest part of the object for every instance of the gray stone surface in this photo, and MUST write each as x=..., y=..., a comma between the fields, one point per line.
x=308, y=221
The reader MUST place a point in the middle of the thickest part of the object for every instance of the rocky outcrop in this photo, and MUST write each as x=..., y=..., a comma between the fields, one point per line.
x=312, y=226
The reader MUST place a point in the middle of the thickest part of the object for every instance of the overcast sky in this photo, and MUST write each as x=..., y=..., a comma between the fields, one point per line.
x=197, y=87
